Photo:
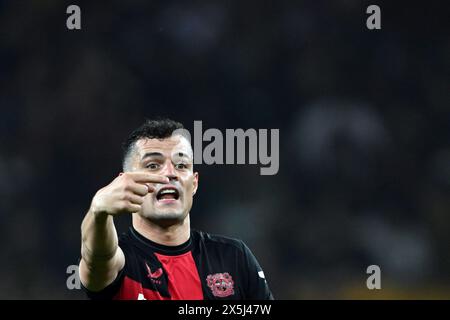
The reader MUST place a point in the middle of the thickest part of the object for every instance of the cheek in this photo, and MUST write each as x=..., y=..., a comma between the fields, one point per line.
x=188, y=200
x=189, y=185
x=148, y=199
x=188, y=193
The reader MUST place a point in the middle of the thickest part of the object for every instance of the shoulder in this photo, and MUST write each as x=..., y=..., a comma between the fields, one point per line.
x=209, y=239
x=128, y=243
x=125, y=238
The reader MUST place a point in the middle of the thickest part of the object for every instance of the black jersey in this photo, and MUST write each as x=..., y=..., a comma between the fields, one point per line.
x=205, y=267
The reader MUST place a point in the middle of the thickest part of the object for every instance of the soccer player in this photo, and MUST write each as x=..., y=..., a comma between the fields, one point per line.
x=160, y=257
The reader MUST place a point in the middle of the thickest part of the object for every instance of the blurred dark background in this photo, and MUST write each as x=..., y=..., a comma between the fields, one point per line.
x=364, y=134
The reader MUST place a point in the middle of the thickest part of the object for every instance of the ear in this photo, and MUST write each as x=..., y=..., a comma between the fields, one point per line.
x=195, y=182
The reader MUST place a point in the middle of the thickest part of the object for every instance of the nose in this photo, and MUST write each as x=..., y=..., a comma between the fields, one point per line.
x=170, y=172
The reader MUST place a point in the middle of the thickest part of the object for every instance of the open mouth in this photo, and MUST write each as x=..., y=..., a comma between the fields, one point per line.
x=167, y=194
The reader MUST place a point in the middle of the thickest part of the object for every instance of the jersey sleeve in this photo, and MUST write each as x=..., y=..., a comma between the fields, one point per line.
x=257, y=287
x=108, y=292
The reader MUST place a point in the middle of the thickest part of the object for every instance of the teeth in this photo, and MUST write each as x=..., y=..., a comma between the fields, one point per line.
x=167, y=191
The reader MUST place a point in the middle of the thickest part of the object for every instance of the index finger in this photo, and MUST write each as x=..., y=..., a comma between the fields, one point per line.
x=144, y=177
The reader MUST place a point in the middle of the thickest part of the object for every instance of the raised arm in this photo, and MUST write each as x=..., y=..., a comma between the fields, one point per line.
x=101, y=257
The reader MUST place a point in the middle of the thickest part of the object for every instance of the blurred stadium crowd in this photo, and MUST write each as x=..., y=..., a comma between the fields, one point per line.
x=364, y=134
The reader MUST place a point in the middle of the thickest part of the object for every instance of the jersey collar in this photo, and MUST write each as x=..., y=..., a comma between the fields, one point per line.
x=160, y=248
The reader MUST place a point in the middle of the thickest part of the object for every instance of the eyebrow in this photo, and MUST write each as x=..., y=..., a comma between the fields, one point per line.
x=152, y=154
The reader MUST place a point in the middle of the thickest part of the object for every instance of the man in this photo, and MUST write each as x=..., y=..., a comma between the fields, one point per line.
x=160, y=257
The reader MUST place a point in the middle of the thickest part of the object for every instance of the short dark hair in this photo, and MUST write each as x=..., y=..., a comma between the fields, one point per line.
x=159, y=128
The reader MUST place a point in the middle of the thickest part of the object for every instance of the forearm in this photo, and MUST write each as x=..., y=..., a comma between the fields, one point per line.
x=99, y=238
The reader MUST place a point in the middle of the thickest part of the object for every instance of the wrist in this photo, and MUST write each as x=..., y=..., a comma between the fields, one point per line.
x=98, y=213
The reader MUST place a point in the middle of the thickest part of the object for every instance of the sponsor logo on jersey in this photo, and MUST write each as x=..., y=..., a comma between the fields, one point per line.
x=154, y=276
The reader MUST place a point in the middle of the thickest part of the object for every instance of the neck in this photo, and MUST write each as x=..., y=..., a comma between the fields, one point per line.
x=172, y=235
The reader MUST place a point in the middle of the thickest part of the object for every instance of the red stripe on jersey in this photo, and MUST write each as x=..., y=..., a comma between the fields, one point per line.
x=184, y=281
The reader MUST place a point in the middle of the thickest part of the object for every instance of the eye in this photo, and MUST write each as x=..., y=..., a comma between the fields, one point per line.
x=152, y=166
x=181, y=166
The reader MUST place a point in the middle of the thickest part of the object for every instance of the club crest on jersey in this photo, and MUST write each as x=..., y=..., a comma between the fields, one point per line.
x=221, y=284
